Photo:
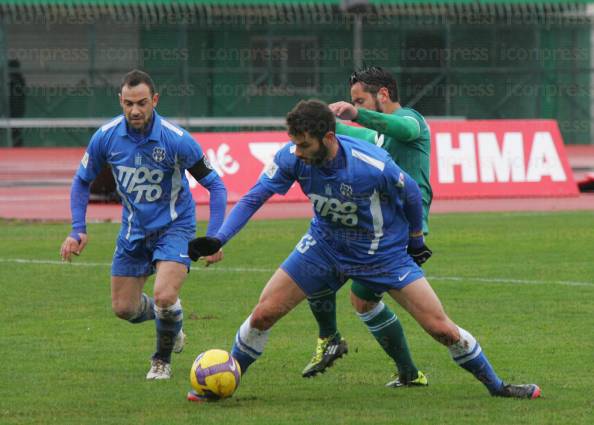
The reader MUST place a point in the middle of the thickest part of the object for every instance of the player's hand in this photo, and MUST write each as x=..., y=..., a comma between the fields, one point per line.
x=417, y=249
x=344, y=110
x=72, y=246
x=204, y=246
x=214, y=258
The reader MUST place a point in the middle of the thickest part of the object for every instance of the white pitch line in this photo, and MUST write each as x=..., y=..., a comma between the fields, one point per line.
x=267, y=270
x=86, y=264
x=51, y=262
x=507, y=280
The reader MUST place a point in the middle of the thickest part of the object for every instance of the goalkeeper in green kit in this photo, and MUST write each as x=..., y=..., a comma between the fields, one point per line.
x=404, y=134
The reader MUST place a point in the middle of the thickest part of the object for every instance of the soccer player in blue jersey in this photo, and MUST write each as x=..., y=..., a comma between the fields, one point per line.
x=366, y=212
x=148, y=157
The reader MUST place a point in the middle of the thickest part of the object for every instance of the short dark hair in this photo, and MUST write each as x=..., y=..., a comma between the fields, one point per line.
x=136, y=77
x=312, y=117
x=373, y=78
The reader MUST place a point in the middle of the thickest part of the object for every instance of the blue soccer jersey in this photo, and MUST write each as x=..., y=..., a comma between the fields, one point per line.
x=359, y=207
x=149, y=173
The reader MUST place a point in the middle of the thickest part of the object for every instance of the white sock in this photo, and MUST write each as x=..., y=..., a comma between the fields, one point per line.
x=173, y=312
x=251, y=340
x=465, y=349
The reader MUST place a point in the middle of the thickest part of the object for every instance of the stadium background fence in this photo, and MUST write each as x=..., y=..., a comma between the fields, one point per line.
x=217, y=61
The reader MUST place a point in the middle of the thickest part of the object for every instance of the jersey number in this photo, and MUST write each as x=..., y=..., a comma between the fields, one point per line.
x=305, y=243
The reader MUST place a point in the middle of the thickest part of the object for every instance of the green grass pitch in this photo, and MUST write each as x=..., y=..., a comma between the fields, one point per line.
x=522, y=283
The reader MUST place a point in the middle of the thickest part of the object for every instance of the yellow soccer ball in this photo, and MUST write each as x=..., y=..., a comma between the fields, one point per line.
x=215, y=374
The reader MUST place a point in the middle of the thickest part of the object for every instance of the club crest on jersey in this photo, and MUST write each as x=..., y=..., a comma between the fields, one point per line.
x=158, y=154
x=346, y=190
x=138, y=160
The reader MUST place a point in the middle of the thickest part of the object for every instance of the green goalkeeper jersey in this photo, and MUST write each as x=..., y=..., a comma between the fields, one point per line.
x=405, y=135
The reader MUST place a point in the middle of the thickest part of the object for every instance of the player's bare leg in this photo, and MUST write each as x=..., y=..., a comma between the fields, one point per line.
x=128, y=302
x=419, y=299
x=280, y=295
x=168, y=315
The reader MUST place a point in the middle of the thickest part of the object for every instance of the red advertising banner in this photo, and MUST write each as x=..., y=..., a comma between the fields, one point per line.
x=469, y=159
x=499, y=158
x=240, y=158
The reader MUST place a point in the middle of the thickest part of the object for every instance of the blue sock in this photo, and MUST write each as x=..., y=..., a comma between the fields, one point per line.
x=146, y=310
x=469, y=355
x=249, y=344
x=483, y=371
x=244, y=359
x=168, y=322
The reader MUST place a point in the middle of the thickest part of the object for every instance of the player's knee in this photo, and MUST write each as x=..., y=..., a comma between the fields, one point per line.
x=165, y=297
x=124, y=311
x=263, y=318
x=444, y=331
x=361, y=306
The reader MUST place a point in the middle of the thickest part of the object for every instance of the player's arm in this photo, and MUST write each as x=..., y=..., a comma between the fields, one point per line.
x=243, y=211
x=400, y=128
x=360, y=133
x=401, y=186
x=235, y=221
x=77, y=239
x=90, y=166
x=413, y=204
x=210, y=180
x=413, y=210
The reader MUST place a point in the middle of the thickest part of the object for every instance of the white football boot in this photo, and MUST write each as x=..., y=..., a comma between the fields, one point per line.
x=159, y=370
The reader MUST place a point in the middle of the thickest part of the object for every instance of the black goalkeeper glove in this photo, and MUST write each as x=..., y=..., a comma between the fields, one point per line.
x=203, y=247
x=417, y=249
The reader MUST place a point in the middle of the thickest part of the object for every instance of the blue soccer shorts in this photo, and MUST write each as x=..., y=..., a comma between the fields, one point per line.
x=314, y=267
x=138, y=257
